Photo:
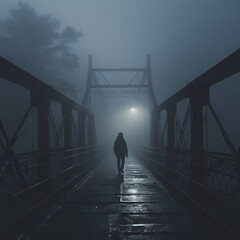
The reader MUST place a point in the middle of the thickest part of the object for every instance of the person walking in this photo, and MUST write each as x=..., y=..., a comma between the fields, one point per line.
x=120, y=151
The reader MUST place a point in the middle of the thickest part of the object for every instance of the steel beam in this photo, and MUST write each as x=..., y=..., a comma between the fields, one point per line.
x=81, y=127
x=119, y=86
x=171, y=113
x=67, y=126
x=149, y=79
x=89, y=81
x=14, y=74
x=224, y=69
x=91, y=130
x=154, y=134
x=42, y=104
x=197, y=101
x=119, y=69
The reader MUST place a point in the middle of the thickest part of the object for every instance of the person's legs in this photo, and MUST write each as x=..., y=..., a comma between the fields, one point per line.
x=123, y=162
x=118, y=164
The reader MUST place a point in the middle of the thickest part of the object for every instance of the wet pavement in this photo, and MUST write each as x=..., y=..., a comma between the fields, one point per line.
x=133, y=206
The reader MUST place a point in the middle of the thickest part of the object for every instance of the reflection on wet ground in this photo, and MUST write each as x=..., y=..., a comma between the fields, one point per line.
x=133, y=206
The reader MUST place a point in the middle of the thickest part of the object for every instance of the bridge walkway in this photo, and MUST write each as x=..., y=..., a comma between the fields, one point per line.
x=136, y=206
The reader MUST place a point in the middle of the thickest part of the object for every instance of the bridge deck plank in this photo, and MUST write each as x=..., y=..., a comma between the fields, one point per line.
x=108, y=207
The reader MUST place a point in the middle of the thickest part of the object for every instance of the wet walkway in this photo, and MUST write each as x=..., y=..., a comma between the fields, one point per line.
x=109, y=207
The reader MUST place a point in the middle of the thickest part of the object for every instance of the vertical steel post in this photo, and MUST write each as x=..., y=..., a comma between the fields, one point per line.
x=81, y=127
x=89, y=82
x=197, y=100
x=171, y=112
x=161, y=128
x=94, y=136
x=67, y=126
x=154, y=137
x=42, y=104
x=149, y=79
x=91, y=130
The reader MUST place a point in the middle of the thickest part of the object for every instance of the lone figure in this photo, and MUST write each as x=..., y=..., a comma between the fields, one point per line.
x=120, y=150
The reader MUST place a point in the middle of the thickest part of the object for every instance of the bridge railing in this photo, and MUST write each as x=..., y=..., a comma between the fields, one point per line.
x=26, y=198
x=221, y=170
x=13, y=181
x=60, y=139
x=179, y=144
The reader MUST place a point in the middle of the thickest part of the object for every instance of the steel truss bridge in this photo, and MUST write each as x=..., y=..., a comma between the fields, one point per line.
x=65, y=153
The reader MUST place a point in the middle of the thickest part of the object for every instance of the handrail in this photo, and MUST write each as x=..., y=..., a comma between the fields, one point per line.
x=210, y=169
x=48, y=188
x=197, y=193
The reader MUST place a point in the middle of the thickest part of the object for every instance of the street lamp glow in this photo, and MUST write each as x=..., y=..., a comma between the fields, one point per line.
x=132, y=110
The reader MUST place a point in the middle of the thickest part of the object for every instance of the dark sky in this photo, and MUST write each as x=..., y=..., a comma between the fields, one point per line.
x=52, y=39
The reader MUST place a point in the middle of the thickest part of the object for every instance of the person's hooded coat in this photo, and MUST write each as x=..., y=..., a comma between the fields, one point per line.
x=120, y=146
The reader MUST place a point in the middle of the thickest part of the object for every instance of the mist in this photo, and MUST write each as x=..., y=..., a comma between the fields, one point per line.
x=38, y=44
x=52, y=40
x=118, y=119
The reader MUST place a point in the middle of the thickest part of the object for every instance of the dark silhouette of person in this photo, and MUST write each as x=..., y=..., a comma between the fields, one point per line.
x=120, y=150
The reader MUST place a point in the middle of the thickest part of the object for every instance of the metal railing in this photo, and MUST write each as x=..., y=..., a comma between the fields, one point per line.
x=222, y=170
x=24, y=194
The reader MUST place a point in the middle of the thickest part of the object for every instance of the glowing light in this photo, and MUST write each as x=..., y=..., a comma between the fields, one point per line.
x=133, y=110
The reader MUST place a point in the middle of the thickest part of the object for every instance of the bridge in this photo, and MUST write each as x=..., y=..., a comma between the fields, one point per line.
x=65, y=186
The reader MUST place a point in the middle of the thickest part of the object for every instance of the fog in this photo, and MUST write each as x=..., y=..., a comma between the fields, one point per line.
x=129, y=115
x=52, y=39
x=36, y=43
